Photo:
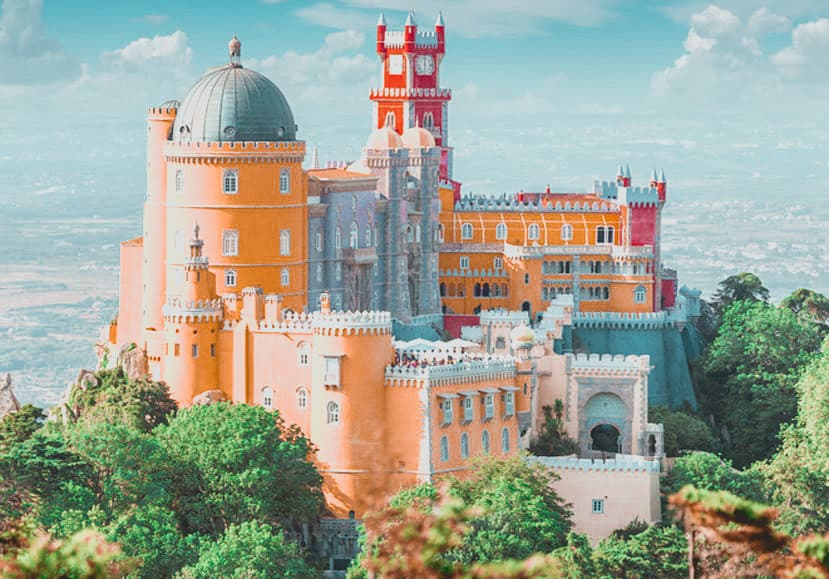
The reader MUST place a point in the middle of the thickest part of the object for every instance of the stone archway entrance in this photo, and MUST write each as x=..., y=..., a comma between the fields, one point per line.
x=603, y=428
x=605, y=438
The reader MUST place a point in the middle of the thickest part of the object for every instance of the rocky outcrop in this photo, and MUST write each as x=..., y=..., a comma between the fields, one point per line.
x=133, y=360
x=8, y=401
x=209, y=397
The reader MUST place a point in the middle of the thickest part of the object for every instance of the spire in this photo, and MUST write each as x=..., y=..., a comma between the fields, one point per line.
x=315, y=158
x=234, y=48
x=653, y=176
x=381, y=21
x=410, y=21
x=620, y=172
x=439, y=21
x=662, y=176
x=627, y=170
x=196, y=245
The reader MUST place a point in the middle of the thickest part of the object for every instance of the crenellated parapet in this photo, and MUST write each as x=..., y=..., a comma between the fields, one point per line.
x=351, y=323
x=614, y=251
x=511, y=204
x=630, y=196
x=178, y=310
x=629, y=463
x=507, y=317
x=607, y=364
x=487, y=368
x=622, y=320
x=254, y=152
x=474, y=272
x=426, y=93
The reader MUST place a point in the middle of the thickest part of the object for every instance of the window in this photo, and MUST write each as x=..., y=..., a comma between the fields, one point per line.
x=409, y=234
x=331, y=369
x=526, y=279
x=509, y=404
x=428, y=120
x=444, y=449
x=284, y=181
x=230, y=278
x=176, y=350
x=319, y=273
x=464, y=445
x=640, y=294
x=533, y=232
x=441, y=233
x=212, y=350
x=338, y=238
x=468, y=409
x=466, y=231
x=446, y=406
x=464, y=262
x=368, y=236
x=501, y=231
x=566, y=232
x=285, y=242
x=498, y=263
x=318, y=240
x=230, y=181
x=598, y=505
x=489, y=406
x=302, y=398
x=395, y=67
x=485, y=442
x=505, y=440
x=303, y=354
x=285, y=278
x=332, y=414
x=267, y=397
x=390, y=118
x=194, y=350
x=354, y=236
x=230, y=242
x=604, y=235
x=417, y=232
x=179, y=181
x=338, y=271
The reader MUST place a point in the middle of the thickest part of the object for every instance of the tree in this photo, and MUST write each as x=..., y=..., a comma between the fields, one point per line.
x=17, y=427
x=743, y=286
x=657, y=552
x=798, y=473
x=683, y=430
x=755, y=362
x=808, y=303
x=708, y=471
x=553, y=439
x=575, y=559
x=236, y=463
x=249, y=550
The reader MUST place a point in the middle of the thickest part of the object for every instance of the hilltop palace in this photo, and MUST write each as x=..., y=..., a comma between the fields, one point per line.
x=324, y=293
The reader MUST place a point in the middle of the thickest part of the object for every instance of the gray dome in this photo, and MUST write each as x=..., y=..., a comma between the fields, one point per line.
x=231, y=103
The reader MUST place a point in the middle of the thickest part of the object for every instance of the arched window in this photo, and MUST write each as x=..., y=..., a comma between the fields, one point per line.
x=368, y=236
x=390, y=120
x=442, y=289
x=444, y=449
x=303, y=354
x=230, y=242
x=485, y=290
x=230, y=181
x=318, y=240
x=466, y=231
x=417, y=232
x=409, y=234
x=230, y=278
x=501, y=231
x=285, y=277
x=640, y=294
x=496, y=290
x=338, y=238
x=464, y=445
x=284, y=181
x=566, y=232
x=441, y=231
x=285, y=242
x=428, y=120
x=267, y=397
x=354, y=236
x=179, y=181
x=476, y=291
x=505, y=440
x=533, y=232
x=485, y=442
x=302, y=398
x=332, y=413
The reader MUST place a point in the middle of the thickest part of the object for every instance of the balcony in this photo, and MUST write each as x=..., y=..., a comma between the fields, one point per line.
x=359, y=256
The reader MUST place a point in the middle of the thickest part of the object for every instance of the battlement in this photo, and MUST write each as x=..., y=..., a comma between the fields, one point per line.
x=166, y=112
x=178, y=310
x=622, y=463
x=350, y=323
x=630, y=196
x=505, y=203
x=608, y=362
x=436, y=93
x=470, y=369
x=291, y=322
x=259, y=151
x=615, y=251
x=500, y=316
x=456, y=272
x=636, y=321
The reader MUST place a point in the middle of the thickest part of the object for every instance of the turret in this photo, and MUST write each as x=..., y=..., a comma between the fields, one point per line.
x=410, y=33
x=620, y=175
x=626, y=181
x=196, y=283
x=381, y=36
x=653, y=181
x=440, y=32
x=661, y=186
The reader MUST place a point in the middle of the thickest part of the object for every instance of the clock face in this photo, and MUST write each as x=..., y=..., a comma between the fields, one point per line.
x=424, y=64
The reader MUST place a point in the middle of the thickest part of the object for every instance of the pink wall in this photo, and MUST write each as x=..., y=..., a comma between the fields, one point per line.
x=668, y=293
x=643, y=225
x=452, y=323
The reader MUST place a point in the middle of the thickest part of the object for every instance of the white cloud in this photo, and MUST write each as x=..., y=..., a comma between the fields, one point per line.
x=27, y=55
x=155, y=19
x=764, y=22
x=169, y=52
x=470, y=18
x=805, y=59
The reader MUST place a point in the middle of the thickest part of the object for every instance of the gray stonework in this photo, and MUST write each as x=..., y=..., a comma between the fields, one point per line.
x=623, y=388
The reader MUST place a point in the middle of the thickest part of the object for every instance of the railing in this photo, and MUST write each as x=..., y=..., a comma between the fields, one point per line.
x=616, y=251
x=461, y=368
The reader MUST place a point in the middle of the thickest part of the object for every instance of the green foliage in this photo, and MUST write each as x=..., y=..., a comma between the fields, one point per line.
x=141, y=404
x=576, y=557
x=655, y=553
x=708, y=471
x=19, y=426
x=683, y=430
x=235, y=463
x=743, y=286
x=808, y=303
x=799, y=472
x=85, y=555
x=553, y=439
x=752, y=366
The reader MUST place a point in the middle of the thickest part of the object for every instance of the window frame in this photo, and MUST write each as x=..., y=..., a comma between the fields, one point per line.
x=284, y=181
x=267, y=398
x=464, y=445
x=332, y=413
x=567, y=232
x=285, y=242
x=638, y=291
x=485, y=442
x=285, y=277
x=179, y=181
x=230, y=242
x=501, y=231
x=230, y=274
x=230, y=181
x=447, y=411
x=463, y=262
x=467, y=231
x=533, y=232
x=498, y=263
x=444, y=448
x=302, y=398
x=489, y=406
x=505, y=440
x=597, y=506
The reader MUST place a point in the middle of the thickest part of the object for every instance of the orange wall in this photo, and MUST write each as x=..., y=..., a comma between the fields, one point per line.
x=129, y=293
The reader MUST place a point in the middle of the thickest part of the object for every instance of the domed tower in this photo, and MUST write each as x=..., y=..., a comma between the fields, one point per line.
x=348, y=425
x=235, y=167
x=192, y=317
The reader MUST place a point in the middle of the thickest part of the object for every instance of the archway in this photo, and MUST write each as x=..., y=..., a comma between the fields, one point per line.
x=605, y=438
x=651, y=445
x=525, y=307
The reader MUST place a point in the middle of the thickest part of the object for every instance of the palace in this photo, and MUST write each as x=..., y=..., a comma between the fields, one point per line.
x=324, y=292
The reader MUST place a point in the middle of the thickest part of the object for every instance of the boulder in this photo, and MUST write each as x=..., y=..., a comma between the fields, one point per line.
x=8, y=401
x=209, y=397
x=133, y=360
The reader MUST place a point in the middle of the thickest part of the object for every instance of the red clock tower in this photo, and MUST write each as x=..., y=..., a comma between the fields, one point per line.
x=411, y=94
